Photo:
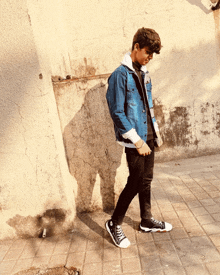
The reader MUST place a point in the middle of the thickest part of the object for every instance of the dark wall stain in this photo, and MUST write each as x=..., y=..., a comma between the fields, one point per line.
x=204, y=111
x=177, y=129
x=50, y=220
x=29, y=18
x=218, y=123
x=205, y=133
x=25, y=227
x=89, y=70
x=210, y=119
x=175, y=126
x=83, y=69
x=196, y=142
x=28, y=227
x=204, y=107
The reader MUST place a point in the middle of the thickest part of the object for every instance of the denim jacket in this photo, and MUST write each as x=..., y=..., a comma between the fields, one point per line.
x=127, y=107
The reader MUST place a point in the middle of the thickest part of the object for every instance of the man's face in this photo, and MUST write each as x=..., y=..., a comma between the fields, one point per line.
x=143, y=56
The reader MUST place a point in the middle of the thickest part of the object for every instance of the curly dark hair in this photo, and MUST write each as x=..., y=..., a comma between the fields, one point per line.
x=147, y=38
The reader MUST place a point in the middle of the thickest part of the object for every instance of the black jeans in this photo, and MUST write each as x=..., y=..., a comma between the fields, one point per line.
x=138, y=182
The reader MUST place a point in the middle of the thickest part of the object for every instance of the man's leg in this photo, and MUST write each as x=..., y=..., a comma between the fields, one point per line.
x=145, y=184
x=139, y=181
x=136, y=167
x=148, y=223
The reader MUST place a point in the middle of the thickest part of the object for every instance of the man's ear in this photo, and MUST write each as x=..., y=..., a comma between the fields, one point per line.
x=136, y=46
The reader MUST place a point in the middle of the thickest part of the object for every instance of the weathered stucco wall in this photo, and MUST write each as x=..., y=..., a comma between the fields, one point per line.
x=44, y=39
x=35, y=191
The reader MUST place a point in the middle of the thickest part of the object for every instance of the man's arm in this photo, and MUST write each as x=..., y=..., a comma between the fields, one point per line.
x=115, y=96
x=116, y=102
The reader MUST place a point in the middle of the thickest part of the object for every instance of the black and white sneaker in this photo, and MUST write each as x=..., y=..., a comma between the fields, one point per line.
x=153, y=225
x=117, y=234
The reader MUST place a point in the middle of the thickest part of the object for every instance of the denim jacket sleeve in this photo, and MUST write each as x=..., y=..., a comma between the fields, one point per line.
x=116, y=98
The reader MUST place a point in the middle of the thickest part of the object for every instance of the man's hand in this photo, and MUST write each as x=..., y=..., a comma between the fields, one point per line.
x=144, y=150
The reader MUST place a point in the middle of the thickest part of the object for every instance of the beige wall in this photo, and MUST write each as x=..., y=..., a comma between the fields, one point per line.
x=35, y=190
x=84, y=38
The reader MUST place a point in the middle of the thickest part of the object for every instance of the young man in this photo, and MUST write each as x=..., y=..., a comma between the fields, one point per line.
x=131, y=107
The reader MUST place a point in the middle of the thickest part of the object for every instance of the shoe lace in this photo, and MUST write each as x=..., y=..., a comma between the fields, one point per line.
x=119, y=233
x=156, y=221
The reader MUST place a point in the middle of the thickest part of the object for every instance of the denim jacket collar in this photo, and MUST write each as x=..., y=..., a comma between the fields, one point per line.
x=127, y=61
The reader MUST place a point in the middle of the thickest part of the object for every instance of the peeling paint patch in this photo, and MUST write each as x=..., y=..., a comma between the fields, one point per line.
x=89, y=70
x=27, y=227
x=83, y=69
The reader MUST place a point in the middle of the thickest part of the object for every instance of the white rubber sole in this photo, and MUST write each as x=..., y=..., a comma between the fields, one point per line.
x=168, y=227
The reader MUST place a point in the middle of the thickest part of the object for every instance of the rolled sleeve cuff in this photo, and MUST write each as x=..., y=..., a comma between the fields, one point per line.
x=156, y=127
x=132, y=135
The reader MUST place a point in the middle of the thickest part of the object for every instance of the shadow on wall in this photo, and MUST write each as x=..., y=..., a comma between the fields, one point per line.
x=206, y=5
x=92, y=152
x=200, y=4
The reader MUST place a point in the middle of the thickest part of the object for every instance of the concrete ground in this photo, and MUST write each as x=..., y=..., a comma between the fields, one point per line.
x=185, y=193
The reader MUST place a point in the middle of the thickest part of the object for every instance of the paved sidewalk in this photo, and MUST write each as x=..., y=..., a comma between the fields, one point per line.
x=185, y=193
